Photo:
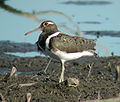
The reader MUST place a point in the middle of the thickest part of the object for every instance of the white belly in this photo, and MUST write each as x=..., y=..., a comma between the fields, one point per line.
x=71, y=56
x=52, y=55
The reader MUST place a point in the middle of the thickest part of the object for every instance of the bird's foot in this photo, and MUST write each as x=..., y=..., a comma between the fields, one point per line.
x=61, y=80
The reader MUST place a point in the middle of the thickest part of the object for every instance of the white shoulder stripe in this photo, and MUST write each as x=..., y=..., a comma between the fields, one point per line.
x=48, y=39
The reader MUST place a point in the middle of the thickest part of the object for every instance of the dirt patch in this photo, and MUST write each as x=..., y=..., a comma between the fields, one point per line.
x=102, y=81
x=98, y=79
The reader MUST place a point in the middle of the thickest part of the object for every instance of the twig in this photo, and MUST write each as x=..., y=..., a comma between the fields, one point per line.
x=28, y=84
x=47, y=65
x=90, y=66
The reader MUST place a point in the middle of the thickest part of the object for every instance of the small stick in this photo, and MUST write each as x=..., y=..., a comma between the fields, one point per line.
x=47, y=65
x=28, y=84
x=29, y=97
x=90, y=66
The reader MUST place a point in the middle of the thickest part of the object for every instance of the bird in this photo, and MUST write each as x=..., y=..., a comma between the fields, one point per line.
x=61, y=46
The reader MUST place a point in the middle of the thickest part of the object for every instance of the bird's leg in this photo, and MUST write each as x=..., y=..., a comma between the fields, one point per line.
x=62, y=73
x=47, y=65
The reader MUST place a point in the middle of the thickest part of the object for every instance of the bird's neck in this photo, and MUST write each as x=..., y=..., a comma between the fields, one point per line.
x=49, y=32
x=42, y=38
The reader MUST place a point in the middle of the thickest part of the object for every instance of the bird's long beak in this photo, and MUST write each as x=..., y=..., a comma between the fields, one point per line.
x=33, y=30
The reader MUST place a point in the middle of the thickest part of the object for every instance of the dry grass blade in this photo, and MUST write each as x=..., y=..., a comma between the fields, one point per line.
x=47, y=65
x=27, y=84
x=90, y=66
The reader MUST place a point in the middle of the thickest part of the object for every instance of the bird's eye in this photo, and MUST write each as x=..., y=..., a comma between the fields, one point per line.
x=45, y=24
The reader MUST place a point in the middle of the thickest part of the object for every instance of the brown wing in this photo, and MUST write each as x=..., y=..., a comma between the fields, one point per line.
x=71, y=44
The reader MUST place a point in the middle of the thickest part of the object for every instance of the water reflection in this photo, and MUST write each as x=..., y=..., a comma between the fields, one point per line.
x=26, y=54
x=89, y=22
x=4, y=71
x=80, y=2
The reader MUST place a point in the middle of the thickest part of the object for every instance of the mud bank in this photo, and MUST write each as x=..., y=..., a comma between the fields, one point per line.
x=98, y=79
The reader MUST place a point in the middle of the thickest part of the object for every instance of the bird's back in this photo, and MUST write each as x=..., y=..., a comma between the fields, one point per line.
x=71, y=44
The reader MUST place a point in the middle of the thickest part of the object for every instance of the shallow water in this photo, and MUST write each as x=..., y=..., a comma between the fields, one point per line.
x=93, y=16
x=27, y=54
x=4, y=71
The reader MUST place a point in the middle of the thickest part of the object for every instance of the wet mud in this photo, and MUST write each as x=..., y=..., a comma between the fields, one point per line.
x=99, y=78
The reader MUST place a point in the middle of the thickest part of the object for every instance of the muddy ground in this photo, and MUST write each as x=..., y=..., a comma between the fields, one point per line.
x=98, y=77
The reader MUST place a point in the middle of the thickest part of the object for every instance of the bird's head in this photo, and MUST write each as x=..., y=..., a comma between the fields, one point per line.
x=46, y=26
